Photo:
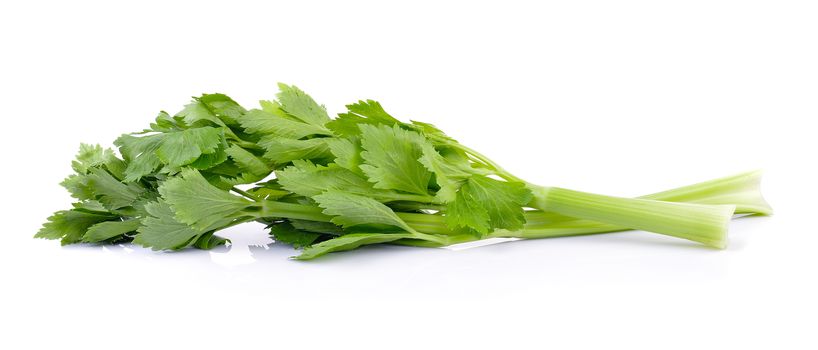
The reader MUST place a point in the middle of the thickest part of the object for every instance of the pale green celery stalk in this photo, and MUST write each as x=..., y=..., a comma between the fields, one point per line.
x=703, y=223
x=741, y=190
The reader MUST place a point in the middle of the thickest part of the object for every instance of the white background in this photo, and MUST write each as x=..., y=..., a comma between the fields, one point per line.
x=616, y=97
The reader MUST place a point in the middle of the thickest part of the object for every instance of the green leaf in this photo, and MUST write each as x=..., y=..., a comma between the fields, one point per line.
x=467, y=213
x=353, y=210
x=140, y=154
x=111, y=192
x=243, y=168
x=391, y=159
x=197, y=114
x=222, y=107
x=347, y=153
x=348, y=124
x=485, y=204
x=77, y=185
x=373, y=111
x=161, y=231
x=287, y=234
x=227, y=168
x=92, y=206
x=367, y=112
x=283, y=151
x=70, y=225
x=300, y=105
x=107, y=230
x=91, y=156
x=248, y=162
x=431, y=132
x=199, y=204
x=307, y=179
x=198, y=147
x=210, y=160
x=182, y=148
x=349, y=242
x=164, y=123
x=450, y=173
x=265, y=123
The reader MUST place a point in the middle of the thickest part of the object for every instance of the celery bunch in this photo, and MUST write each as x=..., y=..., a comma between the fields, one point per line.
x=327, y=184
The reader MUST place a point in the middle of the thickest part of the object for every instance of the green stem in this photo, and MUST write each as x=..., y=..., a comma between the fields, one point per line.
x=499, y=171
x=702, y=223
x=244, y=193
x=428, y=223
x=244, y=144
x=742, y=190
x=414, y=206
x=412, y=198
x=273, y=209
x=432, y=239
x=443, y=241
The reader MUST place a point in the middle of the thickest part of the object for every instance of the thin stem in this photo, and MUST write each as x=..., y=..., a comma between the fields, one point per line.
x=249, y=145
x=244, y=144
x=488, y=162
x=244, y=193
x=412, y=197
x=414, y=206
x=274, y=209
x=442, y=240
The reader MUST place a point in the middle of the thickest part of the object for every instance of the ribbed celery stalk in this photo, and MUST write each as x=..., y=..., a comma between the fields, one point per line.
x=702, y=223
x=741, y=190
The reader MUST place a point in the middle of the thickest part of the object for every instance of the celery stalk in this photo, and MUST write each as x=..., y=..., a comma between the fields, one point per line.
x=703, y=223
x=741, y=190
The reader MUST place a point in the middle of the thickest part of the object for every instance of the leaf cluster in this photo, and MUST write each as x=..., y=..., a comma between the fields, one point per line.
x=320, y=184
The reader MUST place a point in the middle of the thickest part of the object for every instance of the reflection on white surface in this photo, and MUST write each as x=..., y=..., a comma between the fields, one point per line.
x=240, y=249
x=245, y=244
x=253, y=266
x=481, y=243
x=250, y=243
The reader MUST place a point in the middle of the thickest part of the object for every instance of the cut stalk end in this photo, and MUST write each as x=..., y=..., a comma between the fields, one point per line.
x=744, y=190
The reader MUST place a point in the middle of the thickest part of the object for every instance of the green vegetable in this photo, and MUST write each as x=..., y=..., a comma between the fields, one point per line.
x=337, y=184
